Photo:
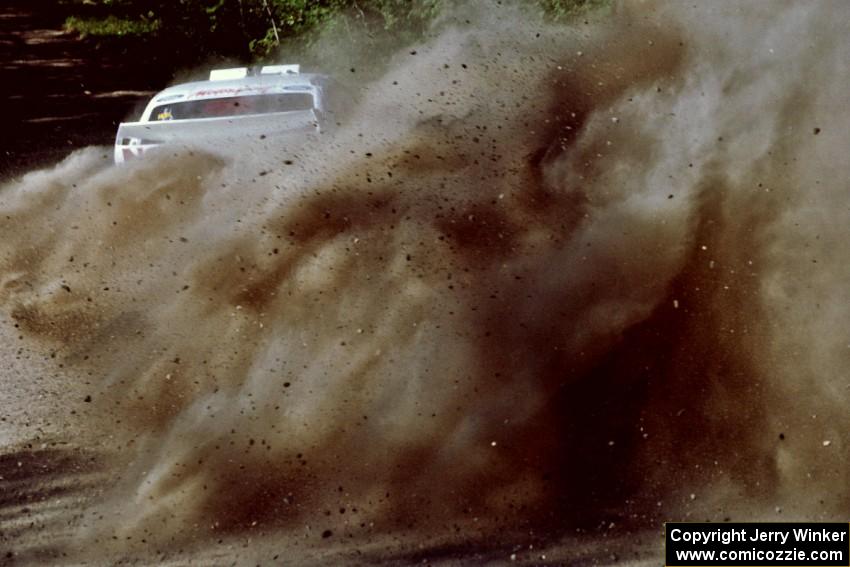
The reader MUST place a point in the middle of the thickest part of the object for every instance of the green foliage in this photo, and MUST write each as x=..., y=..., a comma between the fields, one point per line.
x=291, y=18
x=111, y=26
x=254, y=29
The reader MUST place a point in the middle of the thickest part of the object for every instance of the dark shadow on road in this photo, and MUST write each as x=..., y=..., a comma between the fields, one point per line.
x=62, y=92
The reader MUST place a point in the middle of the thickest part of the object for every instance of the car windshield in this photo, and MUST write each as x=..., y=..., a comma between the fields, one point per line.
x=233, y=106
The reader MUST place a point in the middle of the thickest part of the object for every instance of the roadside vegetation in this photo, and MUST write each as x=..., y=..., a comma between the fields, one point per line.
x=112, y=26
x=249, y=30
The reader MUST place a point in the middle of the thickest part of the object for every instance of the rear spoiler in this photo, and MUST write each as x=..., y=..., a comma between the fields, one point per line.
x=242, y=72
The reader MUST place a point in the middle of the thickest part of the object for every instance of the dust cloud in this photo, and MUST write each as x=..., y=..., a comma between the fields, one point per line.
x=543, y=277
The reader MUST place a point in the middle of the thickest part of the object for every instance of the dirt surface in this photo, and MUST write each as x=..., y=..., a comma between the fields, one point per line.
x=64, y=93
x=482, y=322
x=61, y=92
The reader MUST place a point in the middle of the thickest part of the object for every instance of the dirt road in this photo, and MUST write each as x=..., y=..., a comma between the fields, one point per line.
x=64, y=94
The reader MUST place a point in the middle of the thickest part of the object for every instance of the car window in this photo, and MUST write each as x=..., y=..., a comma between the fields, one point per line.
x=233, y=106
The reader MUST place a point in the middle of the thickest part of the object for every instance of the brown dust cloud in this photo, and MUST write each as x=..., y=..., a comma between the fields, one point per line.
x=543, y=278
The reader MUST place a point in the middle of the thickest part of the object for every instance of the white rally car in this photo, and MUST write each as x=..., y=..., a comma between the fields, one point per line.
x=234, y=103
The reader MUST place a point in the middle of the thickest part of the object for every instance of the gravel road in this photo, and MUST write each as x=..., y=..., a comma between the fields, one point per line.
x=63, y=94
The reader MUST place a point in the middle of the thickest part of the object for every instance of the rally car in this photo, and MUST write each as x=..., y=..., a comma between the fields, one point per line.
x=234, y=103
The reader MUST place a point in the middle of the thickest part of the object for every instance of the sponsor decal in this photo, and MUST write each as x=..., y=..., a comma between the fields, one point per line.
x=230, y=91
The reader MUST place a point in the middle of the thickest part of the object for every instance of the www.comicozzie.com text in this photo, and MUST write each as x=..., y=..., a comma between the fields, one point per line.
x=742, y=534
